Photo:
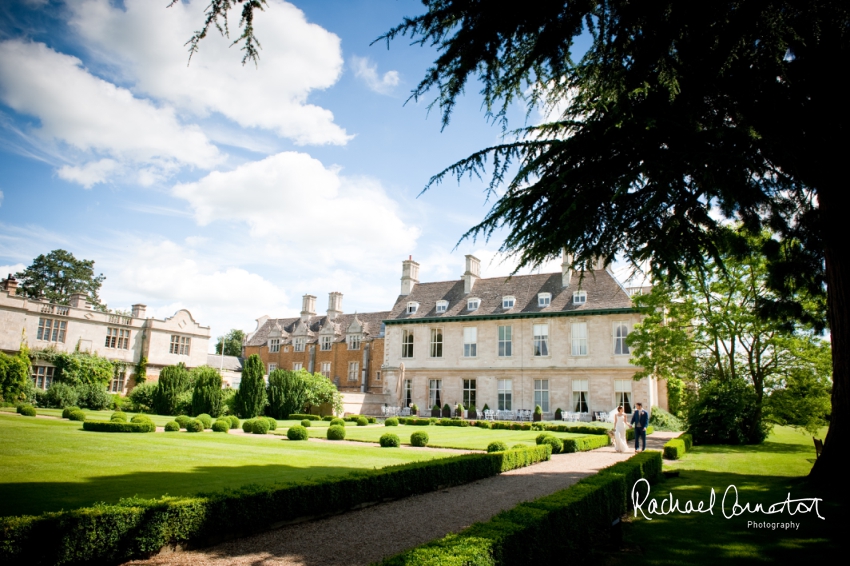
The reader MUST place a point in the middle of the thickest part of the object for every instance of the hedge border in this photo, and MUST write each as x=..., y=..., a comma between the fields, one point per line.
x=112, y=426
x=135, y=527
x=675, y=448
x=570, y=522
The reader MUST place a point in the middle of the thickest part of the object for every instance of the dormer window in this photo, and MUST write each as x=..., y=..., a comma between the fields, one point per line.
x=544, y=299
x=473, y=304
x=412, y=307
x=442, y=306
x=579, y=297
x=508, y=302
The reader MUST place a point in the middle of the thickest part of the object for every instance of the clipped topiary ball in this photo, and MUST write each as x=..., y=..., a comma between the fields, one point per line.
x=118, y=417
x=67, y=411
x=305, y=423
x=260, y=426
x=27, y=410
x=337, y=422
x=248, y=425
x=141, y=419
x=392, y=421
x=183, y=420
x=419, y=439
x=77, y=415
x=541, y=437
x=328, y=418
x=194, y=426
x=556, y=444
x=336, y=432
x=172, y=426
x=221, y=425
x=497, y=446
x=206, y=419
x=234, y=421
x=389, y=440
x=297, y=432
x=362, y=421
x=272, y=423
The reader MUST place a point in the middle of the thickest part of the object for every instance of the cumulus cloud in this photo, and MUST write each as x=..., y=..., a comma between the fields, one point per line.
x=297, y=58
x=367, y=71
x=93, y=116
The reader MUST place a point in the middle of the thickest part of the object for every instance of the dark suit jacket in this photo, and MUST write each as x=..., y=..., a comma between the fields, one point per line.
x=640, y=419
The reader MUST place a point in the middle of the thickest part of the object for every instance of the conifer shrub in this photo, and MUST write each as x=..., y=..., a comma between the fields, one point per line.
x=251, y=396
x=172, y=426
x=392, y=421
x=206, y=419
x=306, y=423
x=419, y=438
x=559, y=415
x=297, y=432
x=389, y=440
x=77, y=415
x=172, y=383
x=221, y=425
x=194, y=425
x=497, y=446
x=260, y=426
x=336, y=432
x=207, y=394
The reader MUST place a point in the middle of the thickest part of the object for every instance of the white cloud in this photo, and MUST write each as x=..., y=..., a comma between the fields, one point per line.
x=95, y=117
x=297, y=58
x=367, y=71
x=1, y=198
x=11, y=269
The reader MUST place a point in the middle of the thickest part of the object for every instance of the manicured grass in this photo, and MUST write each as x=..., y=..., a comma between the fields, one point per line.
x=48, y=465
x=158, y=420
x=463, y=438
x=765, y=474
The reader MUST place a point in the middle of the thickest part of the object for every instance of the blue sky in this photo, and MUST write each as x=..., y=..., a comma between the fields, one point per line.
x=230, y=190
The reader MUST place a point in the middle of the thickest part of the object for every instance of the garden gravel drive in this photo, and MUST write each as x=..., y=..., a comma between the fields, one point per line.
x=367, y=535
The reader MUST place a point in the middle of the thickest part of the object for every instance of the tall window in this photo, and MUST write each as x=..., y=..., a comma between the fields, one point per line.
x=581, y=398
x=541, y=394
x=42, y=376
x=353, y=341
x=298, y=345
x=544, y=299
x=470, y=342
x=353, y=371
x=180, y=345
x=623, y=394
x=541, y=339
x=117, y=338
x=326, y=369
x=406, y=343
x=469, y=393
x=621, y=332
x=118, y=380
x=408, y=392
x=579, y=338
x=274, y=345
x=435, y=387
x=579, y=297
x=505, y=341
x=442, y=306
x=505, y=394
x=326, y=343
x=297, y=366
x=272, y=367
x=51, y=330
x=436, y=342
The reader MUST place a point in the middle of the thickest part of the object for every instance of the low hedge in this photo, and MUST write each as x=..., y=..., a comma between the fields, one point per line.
x=110, y=426
x=630, y=432
x=392, y=421
x=297, y=432
x=301, y=417
x=356, y=418
x=141, y=419
x=675, y=448
x=306, y=423
x=452, y=422
x=585, y=443
x=570, y=522
x=137, y=528
x=419, y=438
x=389, y=440
x=413, y=421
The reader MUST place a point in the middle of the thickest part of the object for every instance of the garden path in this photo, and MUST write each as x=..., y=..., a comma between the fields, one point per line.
x=368, y=535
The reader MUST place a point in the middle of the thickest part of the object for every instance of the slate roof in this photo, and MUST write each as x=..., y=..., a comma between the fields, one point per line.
x=603, y=293
x=231, y=363
x=371, y=322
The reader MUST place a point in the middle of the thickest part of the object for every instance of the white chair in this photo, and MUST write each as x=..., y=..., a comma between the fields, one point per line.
x=405, y=412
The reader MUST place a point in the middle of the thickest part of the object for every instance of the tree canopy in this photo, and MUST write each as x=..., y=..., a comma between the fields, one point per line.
x=232, y=343
x=58, y=275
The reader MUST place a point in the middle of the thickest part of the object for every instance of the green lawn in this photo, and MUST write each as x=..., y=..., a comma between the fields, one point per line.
x=464, y=438
x=48, y=464
x=762, y=474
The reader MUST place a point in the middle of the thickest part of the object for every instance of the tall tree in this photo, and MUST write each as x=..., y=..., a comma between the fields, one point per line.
x=251, y=396
x=288, y=392
x=207, y=396
x=173, y=380
x=232, y=343
x=58, y=275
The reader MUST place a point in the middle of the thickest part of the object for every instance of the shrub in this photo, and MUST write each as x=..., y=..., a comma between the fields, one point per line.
x=207, y=395
x=392, y=421
x=419, y=438
x=234, y=421
x=194, y=425
x=325, y=418
x=519, y=446
x=336, y=432
x=556, y=444
x=77, y=415
x=183, y=421
x=585, y=443
x=362, y=421
x=141, y=398
x=447, y=411
x=302, y=416
x=62, y=395
x=251, y=397
x=538, y=410
x=173, y=382
x=67, y=411
x=727, y=412
x=93, y=396
x=297, y=432
x=662, y=420
x=497, y=446
x=206, y=419
x=558, y=414
x=483, y=424
x=675, y=448
x=26, y=410
x=272, y=423
x=184, y=403
x=248, y=425
x=141, y=419
x=287, y=393
x=260, y=426
x=541, y=437
x=104, y=426
x=221, y=425
x=389, y=440
x=306, y=423
x=119, y=416
x=172, y=426
x=414, y=409
x=337, y=422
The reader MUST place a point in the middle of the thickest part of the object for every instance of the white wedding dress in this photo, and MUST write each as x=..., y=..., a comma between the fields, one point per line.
x=620, y=444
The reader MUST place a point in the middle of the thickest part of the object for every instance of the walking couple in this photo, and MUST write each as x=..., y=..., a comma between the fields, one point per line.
x=640, y=420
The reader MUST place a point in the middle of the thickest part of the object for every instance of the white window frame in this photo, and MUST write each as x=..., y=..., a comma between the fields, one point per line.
x=470, y=342
x=274, y=345
x=326, y=369
x=540, y=340
x=406, y=343
x=272, y=367
x=412, y=307
x=579, y=297
x=407, y=391
x=469, y=393
x=298, y=344
x=326, y=343
x=578, y=339
x=473, y=304
x=541, y=394
x=505, y=341
x=435, y=393
x=544, y=299
x=353, y=341
x=505, y=393
x=508, y=302
x=436, y=349
x=442, y=306
x=623, y=394
x=581, y=396
x=297, y=366
x=353, y=371
x=621, y=332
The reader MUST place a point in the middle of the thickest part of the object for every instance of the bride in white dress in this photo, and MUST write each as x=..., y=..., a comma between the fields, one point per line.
x=620, y=444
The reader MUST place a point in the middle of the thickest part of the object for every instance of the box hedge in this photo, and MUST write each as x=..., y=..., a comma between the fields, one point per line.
x=496, y=446
x=585, y=443
x=297, y=432
x=206, y=419
x=260, y=425
x=419, y=438
x=248, y=425
x=362, y=421
x=195, y=425
x=234, y=421
x=26, y=410
x=568, y=523
x=389, y=440
x=413, y=421
x=172, y=426
x=221, y=425
x=137, y=528
x=271, y=421
x=77, y=415
x=301, y=417
x=336, y=432
x=110, y=426
x=392, y=421
x=67, y=411
x=306, y=423
x=182, y=420
x=675, y=448
x=630, y=432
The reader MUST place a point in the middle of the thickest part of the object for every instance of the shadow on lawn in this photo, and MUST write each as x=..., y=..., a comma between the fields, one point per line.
x=33, y=498
x=766, y=447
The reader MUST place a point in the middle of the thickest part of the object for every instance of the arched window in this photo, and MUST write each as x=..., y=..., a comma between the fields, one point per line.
x=621, y=331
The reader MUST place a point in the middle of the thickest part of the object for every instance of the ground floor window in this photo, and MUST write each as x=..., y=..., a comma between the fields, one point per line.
x=505, y=394
x=623, y=394
x=435, y=387
x=353, y=371
x=42, y=376
x=408, y=393
x=580, y=396
x=272, y=367
x=297, y=366
x=118, y=382
x=468, y=393
x=326, y=369
x=541, y=394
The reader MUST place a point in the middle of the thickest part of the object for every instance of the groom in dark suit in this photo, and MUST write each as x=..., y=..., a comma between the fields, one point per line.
x=640, y=420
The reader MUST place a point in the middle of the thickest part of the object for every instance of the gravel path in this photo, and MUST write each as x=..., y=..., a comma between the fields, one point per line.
x=368, y=535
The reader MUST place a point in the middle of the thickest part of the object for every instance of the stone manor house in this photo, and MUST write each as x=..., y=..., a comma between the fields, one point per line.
x=557, y=340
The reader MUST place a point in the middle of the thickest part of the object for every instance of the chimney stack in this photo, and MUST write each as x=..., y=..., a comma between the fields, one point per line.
x=139, y=310
x=472, y=273
x=598, y=263
x=334, y=305
x=566, y=269
x=78, y=300
x=308, y=307
x=10, y=284
x=409, y=275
